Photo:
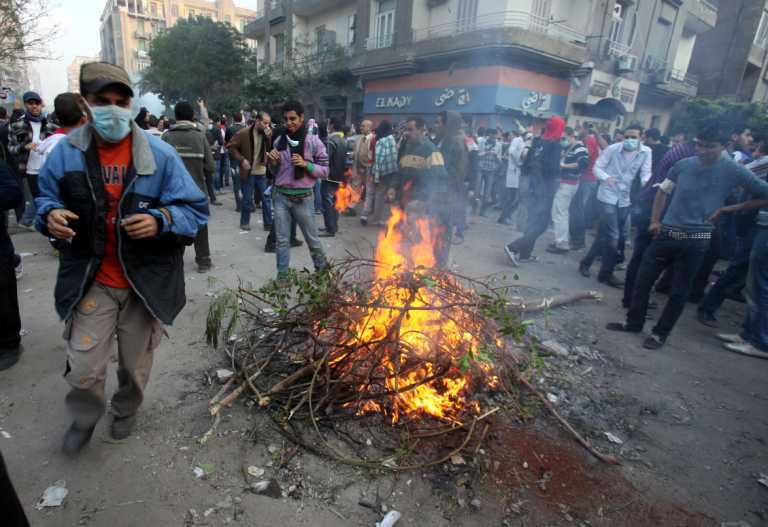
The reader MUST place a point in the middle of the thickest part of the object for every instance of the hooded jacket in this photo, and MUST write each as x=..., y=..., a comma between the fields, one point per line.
x=551, y=148
x=192, y=146
x=157, y=183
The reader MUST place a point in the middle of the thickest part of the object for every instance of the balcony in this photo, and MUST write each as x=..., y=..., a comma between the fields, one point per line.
x=757, y=54
x=142, y=35
x=503, y=20
x=385, y=40
x=256, y=27
x=702, y=16
x=673, y=81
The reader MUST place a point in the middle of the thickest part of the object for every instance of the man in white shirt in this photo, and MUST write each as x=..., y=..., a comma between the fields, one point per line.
x=69, y=115
x=616, y=169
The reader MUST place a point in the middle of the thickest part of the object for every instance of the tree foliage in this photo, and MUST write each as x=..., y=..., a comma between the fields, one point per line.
x=198, y=58
x=697, y=113
x=24, y=31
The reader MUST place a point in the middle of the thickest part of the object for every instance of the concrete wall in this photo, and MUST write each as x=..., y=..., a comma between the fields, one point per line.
x=685, y=51
x=334, y=20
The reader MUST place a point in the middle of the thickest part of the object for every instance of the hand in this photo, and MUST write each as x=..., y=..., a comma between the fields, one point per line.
x=140, y=226
x=655, y=229
x=246, y=166
x=201, y=102
x=298, y=161
x=611, y=181
x=30, y=146
x=715, y=216
x=58, y=221
x=274, y=156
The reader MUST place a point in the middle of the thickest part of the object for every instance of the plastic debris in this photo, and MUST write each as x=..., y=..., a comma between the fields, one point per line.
x=763, y=480
x=390, y=519
x=456, y=459
x=223, y=374
x=613, y=438
x=53, y=495
x=256, y=472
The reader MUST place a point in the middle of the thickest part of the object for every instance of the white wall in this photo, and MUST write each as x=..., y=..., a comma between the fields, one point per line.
x=684, y=51
x=334, y=20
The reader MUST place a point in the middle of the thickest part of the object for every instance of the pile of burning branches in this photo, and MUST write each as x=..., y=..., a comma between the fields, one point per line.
x=347, y=356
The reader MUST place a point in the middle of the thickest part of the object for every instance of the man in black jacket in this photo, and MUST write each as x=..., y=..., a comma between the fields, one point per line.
x=10, y=322
x=337, y=166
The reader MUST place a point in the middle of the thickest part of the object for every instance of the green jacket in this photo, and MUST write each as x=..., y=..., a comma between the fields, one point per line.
x=192, y=146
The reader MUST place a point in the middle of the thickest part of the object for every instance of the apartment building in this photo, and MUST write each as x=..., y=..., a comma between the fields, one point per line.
x=731, y=59
x=607, y=62
x=73, y=71
x=128, y=26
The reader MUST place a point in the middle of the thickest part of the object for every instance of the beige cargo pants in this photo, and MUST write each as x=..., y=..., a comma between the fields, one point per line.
x=102, y=314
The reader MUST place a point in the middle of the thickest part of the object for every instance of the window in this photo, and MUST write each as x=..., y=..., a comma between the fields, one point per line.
x=174, y=10
x=467, y=16
x=385, y=23
x=761, y=37
x=661, y=37
x=617, y=24
x=325, y=39
x=351, y=20
x=153, y=9
x=279, y=48
x=190, y=13
x=140, y=27
x=142, y=45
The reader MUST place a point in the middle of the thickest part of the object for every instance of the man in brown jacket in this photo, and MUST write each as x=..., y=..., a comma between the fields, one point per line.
x=248, y=148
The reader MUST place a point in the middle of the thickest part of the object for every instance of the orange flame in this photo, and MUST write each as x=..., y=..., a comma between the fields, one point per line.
x=347, y=196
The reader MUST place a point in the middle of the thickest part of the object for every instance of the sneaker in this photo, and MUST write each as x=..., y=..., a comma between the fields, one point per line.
x=217, y=203
x=364, y=221
x=245, y=227
x=584, y=270
x=621, y=267
x=296, y=243
x=746, y=349
x=19, y=269
x=731, y=338
x=269, y=248
x=708, y=319
x=611, y=280
x=554, y=249
x=513, y=256
x=622, y=327
x=204, y=268
x=76, y=439
x=122, y=427
x=654, y=342
x=327, y=235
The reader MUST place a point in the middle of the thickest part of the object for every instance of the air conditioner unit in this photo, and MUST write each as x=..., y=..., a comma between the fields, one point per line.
x=435, y=3
x=626, y=64
x=661, y=76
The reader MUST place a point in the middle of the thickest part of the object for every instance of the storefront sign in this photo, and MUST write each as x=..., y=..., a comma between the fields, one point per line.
x=397, y=102
x=537, y=102
x=461, y=96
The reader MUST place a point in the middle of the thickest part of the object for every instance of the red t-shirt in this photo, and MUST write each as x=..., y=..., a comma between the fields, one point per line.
x=115, y=160
x=594, y=152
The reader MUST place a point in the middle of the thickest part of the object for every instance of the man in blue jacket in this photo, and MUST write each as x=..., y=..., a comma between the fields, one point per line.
x=123, y=207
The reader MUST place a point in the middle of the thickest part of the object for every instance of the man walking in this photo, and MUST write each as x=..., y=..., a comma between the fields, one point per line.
x=124, y=206
x=337, y=166
x=248, y=148
x=701, y=185
x=582, y=206
x=616, y=168
x=385, y=172
x=575, y=160
x=192, y=146
x=511, y=198
x=24, y=136
x=362, y=178
x=298, y=159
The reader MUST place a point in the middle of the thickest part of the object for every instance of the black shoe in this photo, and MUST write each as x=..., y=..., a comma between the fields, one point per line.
x=217, y=203
x=327, y=235
x=269, y=248
x=654, y=342
x=554, y=249
x=584, y=270
x=322, y=229
x=621, y=327
x=9, y=357
x=245, y=227
x=611, y=280
x=122, y=427
x=708, y=319
x=76, y=439
x=204, y=268
x=237, y=209
x=364, y=221
x=296, y=243
x=267, y=228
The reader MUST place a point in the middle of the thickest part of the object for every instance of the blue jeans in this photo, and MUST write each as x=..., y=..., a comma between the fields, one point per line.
x=582, y=211
x=302, y=212
x=246, y=202
x=612, y=221
x=734, y=275
x=318, y=197
x=222, y=171
x=756, y=325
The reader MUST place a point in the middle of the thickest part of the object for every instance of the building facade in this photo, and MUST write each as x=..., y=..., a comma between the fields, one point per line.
x=731, y=59
x=73, y=71
x=128, y=26
x=608, y=62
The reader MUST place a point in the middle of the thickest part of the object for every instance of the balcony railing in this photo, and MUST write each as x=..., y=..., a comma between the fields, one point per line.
x=502, y=19
x=383, y=40
x=617, y=49
x=688, y=79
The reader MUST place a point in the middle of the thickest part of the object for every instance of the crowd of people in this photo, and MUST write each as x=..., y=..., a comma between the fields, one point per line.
x=120, y=197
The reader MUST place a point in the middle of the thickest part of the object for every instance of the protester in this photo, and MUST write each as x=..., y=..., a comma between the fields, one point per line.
x=362, y=178
x=448, y=127
x=69, y=115
x=543, y=166
x=582, y=212
x=337, y=168
x=616, y=168
x=238, y=123
x=142, y=118
x=298, y=159
x=385, y=172
x=192, y=146
x=489, y=160
x=740, y=145
x=682, y=237
x=10, y=321
x=248, y=148
x=24, y=135
x=152, y=123
x=120, y=272
x=4, y=122
x=222, y=159
x=511, y=196
x=575, y=161
x=425, y=184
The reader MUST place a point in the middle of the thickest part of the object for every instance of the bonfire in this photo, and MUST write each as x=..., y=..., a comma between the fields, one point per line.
x=388, y=341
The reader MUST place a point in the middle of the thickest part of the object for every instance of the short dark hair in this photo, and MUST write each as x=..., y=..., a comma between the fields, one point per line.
x=714, y=134
x=152, y=121
x=569, y=131
x=419, y=122
x=634, y=126
x=67, y=109
x=3, y=112
x=334, y=122
x=183, y=111
x=481, y=131
x=653, y=133
x=384, y=129
x=740, y=129
x=293, y=106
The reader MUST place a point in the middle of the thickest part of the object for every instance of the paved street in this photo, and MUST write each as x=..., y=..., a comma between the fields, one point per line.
x=692, y=416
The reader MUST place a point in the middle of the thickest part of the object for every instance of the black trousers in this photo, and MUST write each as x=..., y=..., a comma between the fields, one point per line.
x=643, y=240
x=685, y=257
x=202, y=247
x=10, y=321
x=328, y=191
x=539, y=215
x=509, y=204
x=11, y=510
